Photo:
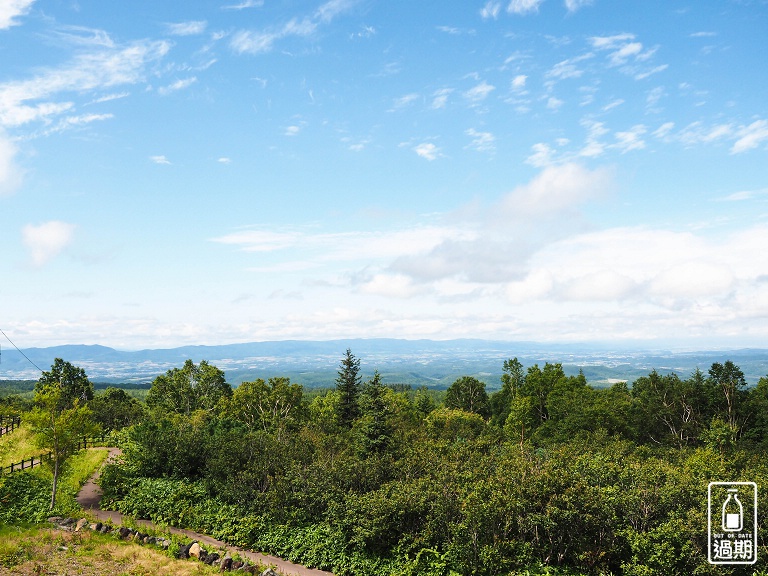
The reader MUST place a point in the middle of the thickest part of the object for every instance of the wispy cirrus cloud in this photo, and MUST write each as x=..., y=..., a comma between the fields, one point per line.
x=180, y=84
x=524, y=6
x=45, y=95
x=750, y=137
x=479, y=92
x=481, y=141
x=191, y=28
x=244, y=5
x=491, y=9
x=263, y=41
x=11, y=10
x=743, y=137
x=574, y=5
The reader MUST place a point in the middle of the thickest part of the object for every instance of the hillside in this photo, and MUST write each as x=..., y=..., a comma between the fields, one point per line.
x=416, y=362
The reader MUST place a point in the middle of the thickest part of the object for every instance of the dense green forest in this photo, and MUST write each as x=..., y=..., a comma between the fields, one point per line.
x=548, y=475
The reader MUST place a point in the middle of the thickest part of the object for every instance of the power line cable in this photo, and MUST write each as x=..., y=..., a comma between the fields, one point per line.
x=20, y=352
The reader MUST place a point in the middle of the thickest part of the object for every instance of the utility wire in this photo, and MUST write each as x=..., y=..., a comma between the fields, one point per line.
x=20, y=352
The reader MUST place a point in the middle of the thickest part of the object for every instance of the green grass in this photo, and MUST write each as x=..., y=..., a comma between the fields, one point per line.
x=35, y=550
x=79, y=468
x=18, y=445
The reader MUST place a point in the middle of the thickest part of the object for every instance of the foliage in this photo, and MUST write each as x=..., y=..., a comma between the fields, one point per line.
x=115, y=409
x=468, y=393
x=348, y=386
x=192, y=387
x=25, y=496
x=71, y=380
x=548, y=476
x=58, y=421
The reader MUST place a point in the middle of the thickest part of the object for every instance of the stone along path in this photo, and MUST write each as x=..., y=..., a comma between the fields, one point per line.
x=89, y=498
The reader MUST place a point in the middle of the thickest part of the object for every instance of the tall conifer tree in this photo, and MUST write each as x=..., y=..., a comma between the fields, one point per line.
x=348, y=386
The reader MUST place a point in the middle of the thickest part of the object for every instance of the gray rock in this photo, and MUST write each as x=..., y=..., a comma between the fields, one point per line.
x=123, y=532
x=82, y=523
x=184, y=551
x=226, y=564
x=269, y=572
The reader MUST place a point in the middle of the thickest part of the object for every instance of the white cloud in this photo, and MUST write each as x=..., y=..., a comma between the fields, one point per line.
x=47, y=240
x=260, y=42
x=244, y=5
x=594, y=146
x=440, y=98
x=427, y=150
x=292, y=130
x=34, y=99
x=75, y=121
x=10, y=10
x=620, y=56
x=10, y=173
x=611, y=42
x=631, y=139
x=479, y=92
x=554, y=103
x=481, y=141
x=654, y=96
x=543, y=155
x=574, y=5
x=556, y=190
x=664, y=130
x=681, y=272
x=180, y=84
x=567, y=68
x=750, y=136
x=497, y=242
x=313, y=249
x=404, y=101
x=646, y=73
x=391, y=286
x=524, y=6
x=159, y=159
x=190, y=28
x=490, y=10
x=224, y=160
x=518, y=82
x=613, y=104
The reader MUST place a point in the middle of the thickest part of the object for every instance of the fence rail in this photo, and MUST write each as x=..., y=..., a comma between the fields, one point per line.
x=26, y=464
x=8, y=424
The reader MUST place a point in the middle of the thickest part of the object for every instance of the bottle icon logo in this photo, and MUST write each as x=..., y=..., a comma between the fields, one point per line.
x=732, y=522
x=733, y=512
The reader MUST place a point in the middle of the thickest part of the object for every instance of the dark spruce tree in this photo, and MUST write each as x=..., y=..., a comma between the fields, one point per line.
x=348, y=386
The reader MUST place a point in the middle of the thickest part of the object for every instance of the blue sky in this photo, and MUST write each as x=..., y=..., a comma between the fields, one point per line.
x=211, y=172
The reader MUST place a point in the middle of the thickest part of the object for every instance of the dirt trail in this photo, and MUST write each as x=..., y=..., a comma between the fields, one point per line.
x=89, y=498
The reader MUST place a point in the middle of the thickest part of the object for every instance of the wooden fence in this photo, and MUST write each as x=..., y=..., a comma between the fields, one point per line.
x=37, y=460
x=8, y=424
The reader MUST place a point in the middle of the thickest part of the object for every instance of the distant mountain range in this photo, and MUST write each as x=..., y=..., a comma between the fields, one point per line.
x=416, y=362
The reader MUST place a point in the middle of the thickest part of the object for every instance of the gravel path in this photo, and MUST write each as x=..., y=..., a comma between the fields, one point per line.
x=89, y=498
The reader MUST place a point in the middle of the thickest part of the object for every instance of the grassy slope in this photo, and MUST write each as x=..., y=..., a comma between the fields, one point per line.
x=17, y=445
x=38, y=550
